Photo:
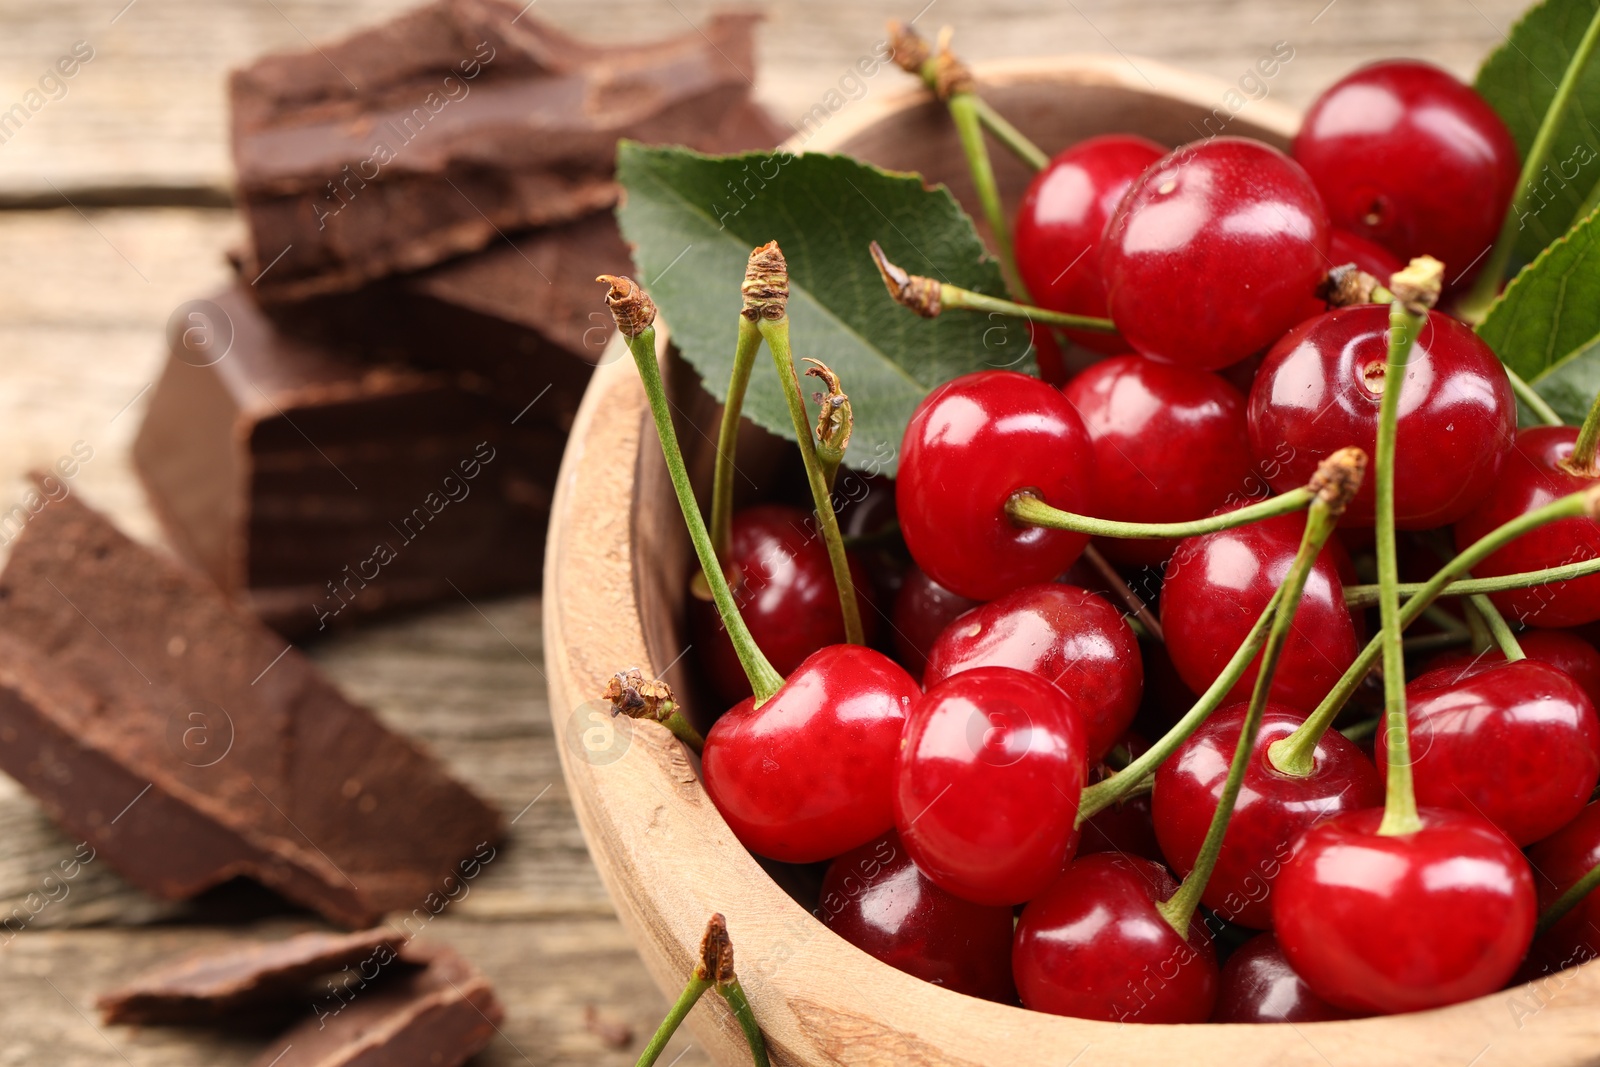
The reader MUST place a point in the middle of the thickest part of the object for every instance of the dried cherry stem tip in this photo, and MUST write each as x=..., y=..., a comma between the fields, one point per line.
x=635, y=316
x=836, y=420
x=766, y=284
x=930, y=298
x=1336, y=481
x=632, y=694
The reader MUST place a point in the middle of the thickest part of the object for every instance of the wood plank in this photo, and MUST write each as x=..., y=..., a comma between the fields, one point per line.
x=149, y=111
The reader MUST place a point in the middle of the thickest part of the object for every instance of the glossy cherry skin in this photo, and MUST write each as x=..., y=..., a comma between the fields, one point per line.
x=1214, y=252
x=1561, y=860
x=1406, y=154
x=783, y=584
x=875, y=898
x=987, y=784
x=1218, y=584
x=971, y=444
x=1259, y=986
x=1532, y=479
x=1515, y=743
x=1319, y=391
x=1387, y=924
x=1273, y=808
x=1093, y=946
x=1062, y=633
x=1059, y=223
x=1170, y=444
x=809, y=774
x=1562, y=650
x=922, y=610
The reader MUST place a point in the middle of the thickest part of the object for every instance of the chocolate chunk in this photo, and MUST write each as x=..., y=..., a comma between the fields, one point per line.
x=316, y=488
x=218, y=981
x=435, y=133
x=438, y=1016
x=188, y=745
x=522, y=314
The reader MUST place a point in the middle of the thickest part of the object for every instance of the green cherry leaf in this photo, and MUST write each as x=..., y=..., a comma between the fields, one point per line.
x=1546, y=325
x=693, y=220
x=1519, y=80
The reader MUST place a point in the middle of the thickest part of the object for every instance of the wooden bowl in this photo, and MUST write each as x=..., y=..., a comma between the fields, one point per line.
x=614, y=575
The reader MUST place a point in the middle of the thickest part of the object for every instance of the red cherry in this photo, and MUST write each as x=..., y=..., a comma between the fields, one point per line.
x=1126, y=827
x=1405, y=922
x=922, y=610
x=1047, y=353
x=875, y=898
x=1170, y=444
x=783, y=584
x=1273, y=808
x=1406, y=154
x=1062, y=633
x=1059, y=223
x=1259, y=986
x=1093, y=946
x=1561, y=649
x=809, y=774
x=1530, y=480
x=1515, y=743
x=987, y=784
x=1561, y=860
x=1319, y=390
x=1218, y=584
x=1214, y=252
x=971, y=444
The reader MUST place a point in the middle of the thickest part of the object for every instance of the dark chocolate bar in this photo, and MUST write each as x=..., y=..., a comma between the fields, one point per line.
x=218, y=981
x=434, y=134
x=438, y=1015
x=316, y=488
x=189, y=745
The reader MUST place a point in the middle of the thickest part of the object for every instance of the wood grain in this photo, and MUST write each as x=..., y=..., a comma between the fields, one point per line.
x=147, y=114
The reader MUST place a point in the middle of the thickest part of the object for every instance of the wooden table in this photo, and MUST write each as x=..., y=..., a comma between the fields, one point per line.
x=117, y=211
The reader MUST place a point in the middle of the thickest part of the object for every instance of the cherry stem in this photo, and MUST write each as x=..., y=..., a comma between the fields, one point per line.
x=1291, y=754
x=1567, y=901
x=1364, y=596
x=1125, y=782
x=1582, y=461
x=1131, y=600
x=675, y=1016
x=744, y=360
x=930, y=298
x=912, y=54
x=776, y=332
x=1320, y=523
x=634, y=695
x=964, y=113
x=733, y=993
x=1478, y=631
x=1532, y=400
x=1487, y=286
x=1499, y=630
x=1434, y=642
x=713, y=970
x=1026, y=509
x=635, y=315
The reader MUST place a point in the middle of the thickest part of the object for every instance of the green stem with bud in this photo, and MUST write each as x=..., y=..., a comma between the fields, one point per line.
x=1320, y=522
x=776, y=332
x=930, y=298
x=1028, y=510
x=1487, y=286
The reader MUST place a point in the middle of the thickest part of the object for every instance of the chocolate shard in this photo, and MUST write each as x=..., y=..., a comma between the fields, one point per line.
x=218, y=981
x=316, y=488
x=521, y=314
x=431, y=135
x=437, y=1016
x=188, y=745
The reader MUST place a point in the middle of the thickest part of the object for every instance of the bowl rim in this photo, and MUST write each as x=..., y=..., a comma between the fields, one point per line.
x=668, y=860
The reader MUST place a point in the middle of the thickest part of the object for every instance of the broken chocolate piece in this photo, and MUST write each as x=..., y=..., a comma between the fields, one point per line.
x=218, y=981
x=316, y=488
x=521, y=314
x=189, y=745
x=435, y=133
x=438, y=1016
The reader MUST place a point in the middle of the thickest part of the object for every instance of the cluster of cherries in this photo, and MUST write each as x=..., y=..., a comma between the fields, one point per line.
x=946, y=781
